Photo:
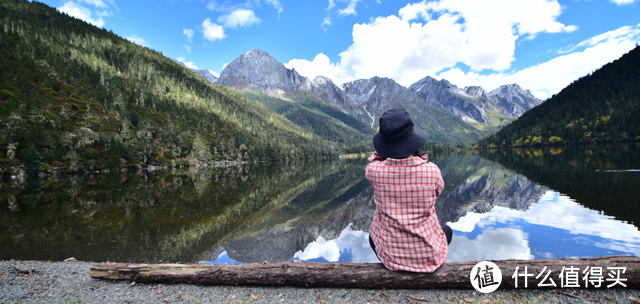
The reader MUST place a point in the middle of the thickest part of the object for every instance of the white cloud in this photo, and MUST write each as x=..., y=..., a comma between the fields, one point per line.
x=239, y=18
x=326, y=23
x=350, y=9
x=407, y=48
x=137, y=40
x=214, y=73
x=212, y=31
x=249, y=4
x=332, y=4
x=76, y=10
x=189, y=64
x=187, y=48
x=622, y=2
x=188, y=33
x=98, y=3
x=215, y=6
x=276, y=4
x=320, y=66
x=551, y=77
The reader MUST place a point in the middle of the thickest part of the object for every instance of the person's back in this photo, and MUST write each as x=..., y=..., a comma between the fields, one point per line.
x=405, y=232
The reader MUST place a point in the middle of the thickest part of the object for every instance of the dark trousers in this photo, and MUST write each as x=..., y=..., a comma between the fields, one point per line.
x=447, y=232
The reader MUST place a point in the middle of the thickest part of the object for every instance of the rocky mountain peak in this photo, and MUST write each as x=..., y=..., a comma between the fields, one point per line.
x=322, y=81
x=511, y=89
x=514, y=98
x=256, y=53
x=476, y=91
x=256, y=69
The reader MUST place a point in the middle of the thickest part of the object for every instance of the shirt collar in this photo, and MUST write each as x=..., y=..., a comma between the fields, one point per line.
x=411, y=161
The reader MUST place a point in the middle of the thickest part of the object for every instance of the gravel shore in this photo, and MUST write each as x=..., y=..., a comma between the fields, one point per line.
x=69, y=282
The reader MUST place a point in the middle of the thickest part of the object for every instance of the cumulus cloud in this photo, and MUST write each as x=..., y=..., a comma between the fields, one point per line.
x=427, y=38
x=320, y=66
x=137, y=40
x=212, y=31
x=239, y=18
x=187, y=48
x=188, y=33
x=76, y=10
x=189, y=64
x=551, y=77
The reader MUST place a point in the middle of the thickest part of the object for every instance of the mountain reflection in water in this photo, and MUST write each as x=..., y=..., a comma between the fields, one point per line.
x=522, y=204
x=495, y=213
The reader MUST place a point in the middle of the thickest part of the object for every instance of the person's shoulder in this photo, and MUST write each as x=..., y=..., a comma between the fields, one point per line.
x=432, y=166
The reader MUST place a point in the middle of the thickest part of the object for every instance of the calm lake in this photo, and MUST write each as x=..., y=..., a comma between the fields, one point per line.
x=576, y=201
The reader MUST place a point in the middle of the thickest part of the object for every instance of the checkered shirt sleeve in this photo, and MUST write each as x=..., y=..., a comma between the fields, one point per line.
x=405, y=227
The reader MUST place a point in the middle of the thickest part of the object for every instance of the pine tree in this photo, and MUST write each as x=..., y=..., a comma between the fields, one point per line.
x=59, y=151
x=32, y=162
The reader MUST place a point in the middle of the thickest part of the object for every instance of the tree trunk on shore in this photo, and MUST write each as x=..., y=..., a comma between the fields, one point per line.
x=374, y=276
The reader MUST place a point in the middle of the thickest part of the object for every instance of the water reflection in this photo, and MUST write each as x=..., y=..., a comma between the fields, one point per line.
x=496, y=213
x=521, y=204
x=555, y=227
x=351, y=246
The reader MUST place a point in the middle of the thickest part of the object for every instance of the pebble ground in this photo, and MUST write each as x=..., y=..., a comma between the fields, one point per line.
x=69, y=282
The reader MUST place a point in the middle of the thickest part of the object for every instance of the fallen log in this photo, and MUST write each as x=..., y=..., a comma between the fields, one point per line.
x=374, y=276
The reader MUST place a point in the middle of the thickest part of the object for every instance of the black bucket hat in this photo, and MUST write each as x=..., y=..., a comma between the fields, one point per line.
x=399, y=136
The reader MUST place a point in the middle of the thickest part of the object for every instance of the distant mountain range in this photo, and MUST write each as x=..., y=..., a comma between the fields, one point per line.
x=204, y=73
x=449, y=113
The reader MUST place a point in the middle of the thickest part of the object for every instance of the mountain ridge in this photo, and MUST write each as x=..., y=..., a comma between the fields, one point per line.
x=367, y=99
x=87, y=99
x=601, y=106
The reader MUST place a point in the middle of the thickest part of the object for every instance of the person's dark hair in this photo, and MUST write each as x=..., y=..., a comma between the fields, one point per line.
x=418, y=153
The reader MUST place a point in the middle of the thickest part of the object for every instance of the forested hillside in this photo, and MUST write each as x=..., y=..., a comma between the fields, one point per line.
x=601, y=107
x=86, y=98
x=321, y=119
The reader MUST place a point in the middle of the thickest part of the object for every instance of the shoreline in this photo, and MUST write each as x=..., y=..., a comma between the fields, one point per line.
x=70, y=282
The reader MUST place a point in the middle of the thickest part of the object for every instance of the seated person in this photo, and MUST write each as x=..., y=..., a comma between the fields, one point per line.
x=405, y=233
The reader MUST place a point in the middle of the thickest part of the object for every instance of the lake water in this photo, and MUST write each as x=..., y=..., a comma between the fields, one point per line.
x=576, y=201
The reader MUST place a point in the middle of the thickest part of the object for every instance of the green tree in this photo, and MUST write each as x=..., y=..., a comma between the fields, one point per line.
x=32, y=162
x=59, y=151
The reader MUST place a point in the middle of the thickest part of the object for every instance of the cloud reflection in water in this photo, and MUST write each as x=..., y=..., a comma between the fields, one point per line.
x=555, y=227
x=351, y=246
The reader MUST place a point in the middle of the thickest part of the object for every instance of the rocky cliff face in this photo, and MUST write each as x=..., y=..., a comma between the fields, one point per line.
x=367, y=99
x=473, y=102
x=514, y=99
x=206, y=74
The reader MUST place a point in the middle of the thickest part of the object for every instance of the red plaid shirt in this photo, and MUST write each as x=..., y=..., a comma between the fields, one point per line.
x=405, y=227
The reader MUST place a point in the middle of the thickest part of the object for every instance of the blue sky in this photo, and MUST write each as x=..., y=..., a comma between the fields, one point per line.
x=543, y=45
